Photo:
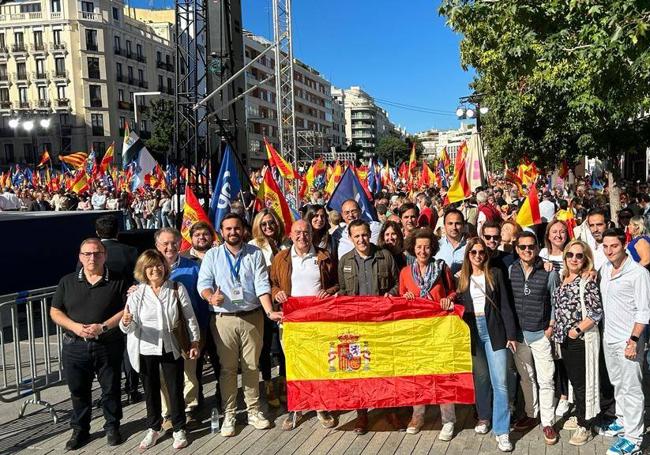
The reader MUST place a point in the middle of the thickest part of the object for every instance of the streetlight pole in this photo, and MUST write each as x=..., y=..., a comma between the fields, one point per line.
x=135, y=105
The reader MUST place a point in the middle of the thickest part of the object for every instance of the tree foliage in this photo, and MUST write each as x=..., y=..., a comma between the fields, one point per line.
x=561, y=78
x=395, y=149
x=161, y=112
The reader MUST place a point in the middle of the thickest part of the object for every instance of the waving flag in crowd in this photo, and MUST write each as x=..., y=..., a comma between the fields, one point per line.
x=107, y=159
x=226, y=188
x=270, y=196
x=350, y=188
x=192, y=212
x=460, y=189
x=76, y=160
x=528, y=214
x=45, y=158
x=276, y=161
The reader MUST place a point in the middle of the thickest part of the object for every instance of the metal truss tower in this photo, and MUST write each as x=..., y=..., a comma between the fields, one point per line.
x=191, y=124
x=284, y=92
x=309, y=144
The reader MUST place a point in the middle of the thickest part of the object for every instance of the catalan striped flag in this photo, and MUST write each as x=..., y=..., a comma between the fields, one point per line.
x=76, y=160
x=275, y=160
x=374, y=352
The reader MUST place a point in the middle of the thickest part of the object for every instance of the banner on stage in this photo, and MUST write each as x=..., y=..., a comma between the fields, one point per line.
x=374, y=352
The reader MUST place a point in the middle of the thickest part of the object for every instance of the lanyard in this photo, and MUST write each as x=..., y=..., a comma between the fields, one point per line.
x=234, y=270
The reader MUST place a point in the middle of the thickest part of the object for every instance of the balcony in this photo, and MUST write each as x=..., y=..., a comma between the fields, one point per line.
x=170, y=91
x=4, y=105
x=18, y=48
x=87, y=16
x=96, y=102
x=130, y=54
x=4, y=79
x=43, y=104
x=94, y=75
x=4, y=53
x=66, y=130
x=119, y=51
x=59, y=75
x=161, y=88
x=125, y=105
x=21, y=77
x=92, y=47
x=130, y=80
x=120, y=78
x=141, y=58
x=58, y=48
x=24, y=105
x=62, y=103
x=39, y=76
x=143, y=108
x=98, y=130
x=143, y=84
x=38, y=48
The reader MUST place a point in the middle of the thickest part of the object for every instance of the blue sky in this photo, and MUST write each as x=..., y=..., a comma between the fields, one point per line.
x=398, y=54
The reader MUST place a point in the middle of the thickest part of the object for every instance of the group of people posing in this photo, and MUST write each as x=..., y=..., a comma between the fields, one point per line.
x=557, y=325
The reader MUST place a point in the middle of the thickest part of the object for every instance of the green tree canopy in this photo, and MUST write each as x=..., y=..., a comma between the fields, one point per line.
x=161, y=113
x=561, y=78
x=394, y=149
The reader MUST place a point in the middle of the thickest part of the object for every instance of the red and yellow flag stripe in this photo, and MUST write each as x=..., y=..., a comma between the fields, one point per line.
x=367, y=352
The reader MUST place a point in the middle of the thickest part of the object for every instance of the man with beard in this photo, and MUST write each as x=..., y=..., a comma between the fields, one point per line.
x=452, y=245
x=202, y=237
x=597, y=226
x=234, y=280
x=408, y=217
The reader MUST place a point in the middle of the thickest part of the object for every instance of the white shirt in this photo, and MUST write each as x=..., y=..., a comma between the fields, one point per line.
x=155, y=336
x=476, y=287
x=305, y=273
x=626, y=299
x=546, y=210
x=346, y=245
x=599, y=257
x=13, y=203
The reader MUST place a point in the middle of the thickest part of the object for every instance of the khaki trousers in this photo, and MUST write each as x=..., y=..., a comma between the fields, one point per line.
x=239, y=344
x=190, y=388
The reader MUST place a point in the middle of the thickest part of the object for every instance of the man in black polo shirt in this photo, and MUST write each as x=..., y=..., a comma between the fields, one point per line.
x=88, y=305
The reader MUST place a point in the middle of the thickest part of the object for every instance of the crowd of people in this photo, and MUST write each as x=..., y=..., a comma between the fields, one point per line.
x=557, y=312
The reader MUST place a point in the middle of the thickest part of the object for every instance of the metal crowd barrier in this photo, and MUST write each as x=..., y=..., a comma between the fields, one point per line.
x=21, y=316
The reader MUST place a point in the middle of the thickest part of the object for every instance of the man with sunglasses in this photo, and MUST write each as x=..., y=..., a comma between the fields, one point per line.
x=88, y=305
x=532, y=289
x=491, y=235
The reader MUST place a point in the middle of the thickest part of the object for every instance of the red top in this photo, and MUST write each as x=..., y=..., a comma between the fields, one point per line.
x=444, y=287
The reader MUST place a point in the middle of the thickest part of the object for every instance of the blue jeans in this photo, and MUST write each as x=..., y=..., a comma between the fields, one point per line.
x=490, y=369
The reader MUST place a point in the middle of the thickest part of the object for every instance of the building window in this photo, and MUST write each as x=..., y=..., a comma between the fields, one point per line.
x=169, y=85
x=42, y=93
x=117, y=44
x=57, y=36
x=29, y=153
x=4, y=94
x=30, y=8
x=91, y=39
x=140, y=75
x=40, y=68
x=100, y=147
x=118, y=69
x=38, y=40
x=158, y=56
x=64, y=119
x=59, y=66
x=2, y=41
x=116, y=14
x=95, y=95
x=97, y=122
x=9, y=153
x=61, y=92
x=129, y=72
x=19, y=40
x=128, y=48
x=93, y=68
x=122, y=123
x=55, y=5
x=120, y=94
x=143, y=125
x=21, y=69
x=138, y=50
x=87, y=7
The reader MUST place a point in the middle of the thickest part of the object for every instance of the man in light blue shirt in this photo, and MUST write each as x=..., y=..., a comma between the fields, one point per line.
x=452, y=245
x=233, y=279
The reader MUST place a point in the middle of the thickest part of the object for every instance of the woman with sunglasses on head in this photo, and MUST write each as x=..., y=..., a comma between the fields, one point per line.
x=268, y=235
x=428, y=278
x=578, y=308
x=482, y=291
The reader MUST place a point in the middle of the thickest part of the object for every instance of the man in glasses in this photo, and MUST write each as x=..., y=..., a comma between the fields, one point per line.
x=351, y=211
x=491, y=235
x=88, y=305
x=203, y=238
x=532, y=289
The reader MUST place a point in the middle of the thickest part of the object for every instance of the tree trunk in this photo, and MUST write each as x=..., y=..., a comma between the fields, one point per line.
x=614, y=197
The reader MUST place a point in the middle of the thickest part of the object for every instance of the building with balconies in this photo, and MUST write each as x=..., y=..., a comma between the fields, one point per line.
x=365, y=122
x=78, y=63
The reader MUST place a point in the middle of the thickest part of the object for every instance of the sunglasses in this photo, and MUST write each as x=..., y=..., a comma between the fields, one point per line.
x=527, y=247
x=267, y=224
x=578, y=256
x=477, y=252
x=492, y=237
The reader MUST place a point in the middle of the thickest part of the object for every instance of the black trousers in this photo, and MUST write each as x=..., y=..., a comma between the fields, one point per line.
x=132, y=378
x=271, y=336
x=561, y=378
x=573, y=353
x=172, y=370
x=82, y=361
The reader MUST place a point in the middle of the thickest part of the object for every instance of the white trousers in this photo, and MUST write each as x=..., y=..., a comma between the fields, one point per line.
x=539, y=368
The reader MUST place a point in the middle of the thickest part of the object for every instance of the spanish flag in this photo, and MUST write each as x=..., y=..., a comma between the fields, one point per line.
x=192, y=212
x=334, y=179
x=460, y=189
x=374, y=352
x=412, y=159
x=80, y=183
x=275, y=160
x=44, y=159
x=269, y=195
x=528, y=214
x=107, y=159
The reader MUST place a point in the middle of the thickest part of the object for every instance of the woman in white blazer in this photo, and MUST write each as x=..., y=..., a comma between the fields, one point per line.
x=150, y=315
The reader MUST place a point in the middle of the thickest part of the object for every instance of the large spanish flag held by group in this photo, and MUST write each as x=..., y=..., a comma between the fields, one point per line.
x=374, y=352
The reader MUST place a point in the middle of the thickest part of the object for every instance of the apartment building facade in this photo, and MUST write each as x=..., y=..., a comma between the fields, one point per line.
x=75, y=66
x=365, y=121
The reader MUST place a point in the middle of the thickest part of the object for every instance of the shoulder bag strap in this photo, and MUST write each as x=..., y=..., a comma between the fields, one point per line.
x=487, y=297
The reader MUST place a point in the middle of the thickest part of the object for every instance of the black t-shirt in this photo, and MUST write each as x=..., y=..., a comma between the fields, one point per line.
x=90, y=304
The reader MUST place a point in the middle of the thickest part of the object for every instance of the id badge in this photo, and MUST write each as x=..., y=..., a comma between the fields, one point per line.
x=237, y=297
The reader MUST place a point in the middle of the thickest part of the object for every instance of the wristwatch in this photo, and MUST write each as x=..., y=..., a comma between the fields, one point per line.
x=268, y=314
x=104, y=328
x=578, y=330
x=634, y=338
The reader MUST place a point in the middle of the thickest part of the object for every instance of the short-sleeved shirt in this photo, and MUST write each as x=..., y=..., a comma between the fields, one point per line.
x=87, y=303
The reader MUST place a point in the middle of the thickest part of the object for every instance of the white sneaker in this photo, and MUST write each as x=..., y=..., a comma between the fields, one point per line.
x=503, y=443
x=482, y=427
x=562, y=408
x=447, y=432
x=258, y=420
x=228, y=426
x=180, y=439
x=571, y=424
x=150, y=439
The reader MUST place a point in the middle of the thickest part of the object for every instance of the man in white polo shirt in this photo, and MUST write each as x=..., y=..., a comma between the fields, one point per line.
x=625, y=290
x=303, y=270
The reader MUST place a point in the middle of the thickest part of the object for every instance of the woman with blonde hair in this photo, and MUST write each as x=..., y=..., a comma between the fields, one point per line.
x=639, y=246
x=268, y=235
x=578, y=308
x=482, y=291
x=152, y=312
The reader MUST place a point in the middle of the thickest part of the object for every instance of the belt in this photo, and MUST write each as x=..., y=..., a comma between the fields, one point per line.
x=237, y=313
x=103, y=338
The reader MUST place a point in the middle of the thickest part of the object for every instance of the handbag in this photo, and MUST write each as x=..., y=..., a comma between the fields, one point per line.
x=179, y=330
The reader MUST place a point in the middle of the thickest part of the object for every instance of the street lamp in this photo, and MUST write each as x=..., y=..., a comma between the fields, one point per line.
x=13, y=123
x=30, y=127
x=135, y=105
x=45, y=123
x=472, y=112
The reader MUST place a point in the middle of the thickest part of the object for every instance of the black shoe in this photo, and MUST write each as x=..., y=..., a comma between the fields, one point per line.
x=135, y=397
x=113, y=437
x=78, y=439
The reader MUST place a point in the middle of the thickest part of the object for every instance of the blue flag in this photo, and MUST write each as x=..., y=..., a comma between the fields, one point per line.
x=226, y=189
x=349, y=187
